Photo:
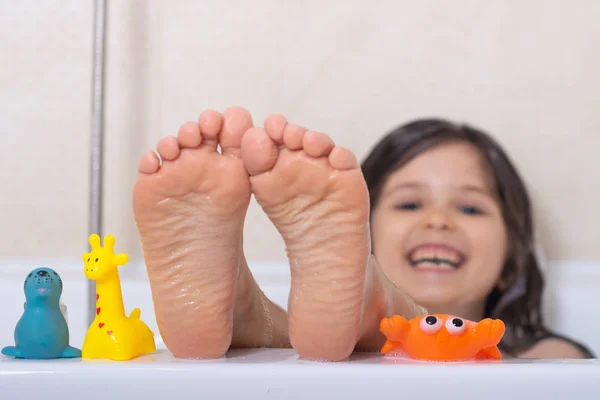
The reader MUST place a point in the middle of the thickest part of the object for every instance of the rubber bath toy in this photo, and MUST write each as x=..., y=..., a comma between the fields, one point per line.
x=42, y=331
x=442, y=337
x=112, y=335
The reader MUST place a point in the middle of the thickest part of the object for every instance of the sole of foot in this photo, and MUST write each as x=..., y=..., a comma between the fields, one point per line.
x=189, y=207
x=315, y=195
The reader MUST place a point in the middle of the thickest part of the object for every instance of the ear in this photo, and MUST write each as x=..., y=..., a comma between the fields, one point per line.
x=121, y=259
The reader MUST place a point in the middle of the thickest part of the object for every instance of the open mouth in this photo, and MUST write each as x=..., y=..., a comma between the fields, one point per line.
x=436, y=257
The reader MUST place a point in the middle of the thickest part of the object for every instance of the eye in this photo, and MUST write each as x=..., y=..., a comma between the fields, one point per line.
x=55, y=273
x=455, y=326
x=430, y=325
x=96, y=260
x=29, y=276
x=88, y=259
x=408, y=206
x=470, y=210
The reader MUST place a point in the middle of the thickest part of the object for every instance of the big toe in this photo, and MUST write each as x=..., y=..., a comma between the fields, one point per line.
x=236, y=121
x=259, y=151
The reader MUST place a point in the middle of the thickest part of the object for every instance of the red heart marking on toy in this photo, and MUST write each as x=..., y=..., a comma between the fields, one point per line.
x=98, y=311
x=109, y=332
x=101, y=324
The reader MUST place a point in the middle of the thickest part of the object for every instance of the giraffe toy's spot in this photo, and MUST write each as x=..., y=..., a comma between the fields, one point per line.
x=129, y=337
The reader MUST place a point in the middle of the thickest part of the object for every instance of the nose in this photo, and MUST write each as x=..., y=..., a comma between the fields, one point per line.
x=42, y=273
x=438, y=220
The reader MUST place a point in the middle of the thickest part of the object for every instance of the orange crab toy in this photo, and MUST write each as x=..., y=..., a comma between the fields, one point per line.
x=441, y=337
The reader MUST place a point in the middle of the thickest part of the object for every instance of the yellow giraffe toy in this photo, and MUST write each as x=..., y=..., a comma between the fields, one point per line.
x=112, y=335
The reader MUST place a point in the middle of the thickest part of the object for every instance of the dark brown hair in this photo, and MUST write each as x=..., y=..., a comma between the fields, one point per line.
x=518, y=303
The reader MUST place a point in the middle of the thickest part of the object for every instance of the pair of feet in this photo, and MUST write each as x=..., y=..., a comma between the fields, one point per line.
x=190, y=210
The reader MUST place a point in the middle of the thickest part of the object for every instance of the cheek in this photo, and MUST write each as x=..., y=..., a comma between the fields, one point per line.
x=488, y=243
x=389, y=233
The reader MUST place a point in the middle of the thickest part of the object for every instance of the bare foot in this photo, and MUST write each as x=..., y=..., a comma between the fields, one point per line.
x=315, y=195
x=190, y=213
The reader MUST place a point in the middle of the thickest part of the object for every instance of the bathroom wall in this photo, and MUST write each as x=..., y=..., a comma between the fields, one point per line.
x=525, y=71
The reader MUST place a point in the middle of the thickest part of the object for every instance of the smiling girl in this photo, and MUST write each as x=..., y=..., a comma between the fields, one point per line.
x=451, y=225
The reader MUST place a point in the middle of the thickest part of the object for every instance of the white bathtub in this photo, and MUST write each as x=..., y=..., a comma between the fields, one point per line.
x=279, y=373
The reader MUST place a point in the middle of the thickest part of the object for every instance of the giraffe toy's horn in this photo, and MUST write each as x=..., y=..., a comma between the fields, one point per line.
x=95, y=241
x=109, y=242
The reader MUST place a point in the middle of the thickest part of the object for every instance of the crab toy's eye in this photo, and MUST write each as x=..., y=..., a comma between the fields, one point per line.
x=430, y=325
x=455, y=326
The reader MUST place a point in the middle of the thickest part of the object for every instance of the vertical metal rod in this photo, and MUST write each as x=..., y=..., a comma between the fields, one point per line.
x=97, y=136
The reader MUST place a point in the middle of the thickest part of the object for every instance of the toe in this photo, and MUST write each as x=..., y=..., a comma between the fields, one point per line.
x=189, y=135
x=210, y=122
x=292, y=136
x=259, y=151
x=342, y=159
x=317, y=144
x=168, y=148
x=236, y=121
x=149, y=163
x=275, y=126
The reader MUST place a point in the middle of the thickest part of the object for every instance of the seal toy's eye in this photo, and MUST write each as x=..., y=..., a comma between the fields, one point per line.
x=29, y=276
x=430, y=324
x=55, y=273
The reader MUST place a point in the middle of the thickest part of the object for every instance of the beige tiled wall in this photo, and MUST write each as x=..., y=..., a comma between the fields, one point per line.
x=527, y=71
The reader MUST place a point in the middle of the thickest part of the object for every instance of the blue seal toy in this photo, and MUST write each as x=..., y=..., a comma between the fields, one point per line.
x=42, y=331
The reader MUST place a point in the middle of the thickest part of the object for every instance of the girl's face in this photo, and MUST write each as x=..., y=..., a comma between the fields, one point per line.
x=438, y=230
